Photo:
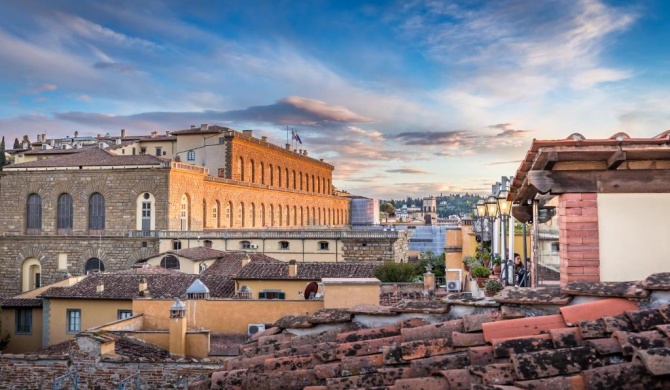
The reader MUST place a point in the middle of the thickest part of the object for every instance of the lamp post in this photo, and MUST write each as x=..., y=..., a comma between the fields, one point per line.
x=479, y=221
x=504, y=208
x=491, y=206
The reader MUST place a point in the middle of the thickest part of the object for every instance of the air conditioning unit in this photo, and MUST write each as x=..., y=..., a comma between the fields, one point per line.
x=453, y=285
x=255, y=328
x=253, y=246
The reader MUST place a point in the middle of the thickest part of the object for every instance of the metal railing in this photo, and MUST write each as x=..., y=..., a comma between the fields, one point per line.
x=129, y=381
x=73, y=376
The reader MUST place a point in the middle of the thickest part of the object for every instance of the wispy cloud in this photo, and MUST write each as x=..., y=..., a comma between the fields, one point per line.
x=40, y=88
x=115, y=66
x=411, y=171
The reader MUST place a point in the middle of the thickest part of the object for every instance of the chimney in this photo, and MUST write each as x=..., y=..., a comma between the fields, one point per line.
x=118, y=141
x=99, y=135
x=250, y=133
x=292, y=268
x=246, y=260
x=100, y=288
x=304, y=152
x=143, y=285
x=53, y=142
x=193, y=126
x=204, y=126
x=123, y=133
x=76, y=134
x=288, y=147
x=44, y=137
x=167, y=132
x=178, y=328
x=264, y=139
x=154, y=134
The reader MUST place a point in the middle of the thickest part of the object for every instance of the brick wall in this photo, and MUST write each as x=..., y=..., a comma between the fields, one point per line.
x=578, y=237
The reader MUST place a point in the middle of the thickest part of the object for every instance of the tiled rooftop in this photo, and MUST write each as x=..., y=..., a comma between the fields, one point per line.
x=306, y=270
x=198, y=253
x=197, y=130
x=91, y=157
x=21, y=302
x=621, y=343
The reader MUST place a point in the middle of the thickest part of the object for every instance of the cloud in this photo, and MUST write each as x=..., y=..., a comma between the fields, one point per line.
x=41, y=88
x=412, y=171
x=115, y=66
x=87, y=29
x=435, y=137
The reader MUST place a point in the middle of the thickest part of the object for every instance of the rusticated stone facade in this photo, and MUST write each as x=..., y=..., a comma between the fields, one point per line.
x=371, y=249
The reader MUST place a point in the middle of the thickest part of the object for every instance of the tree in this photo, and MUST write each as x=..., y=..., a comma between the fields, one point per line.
x=3, y=158
x=396, y=272
x=17, y=144
x=387, y=208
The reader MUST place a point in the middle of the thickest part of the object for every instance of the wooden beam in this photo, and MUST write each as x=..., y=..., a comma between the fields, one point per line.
x=614, y=181
x=545, y=160
x=523, y=213
x=616, y=159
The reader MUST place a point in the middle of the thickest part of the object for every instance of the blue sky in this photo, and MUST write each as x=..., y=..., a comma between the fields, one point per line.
x=403, y=97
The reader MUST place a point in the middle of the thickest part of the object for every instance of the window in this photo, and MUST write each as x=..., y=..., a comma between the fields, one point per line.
x=64, y=213
x=215, y=214
x=123, y=314
x=555, y=247
x=176, y=245
x=96, y=212
x=170, y=262
x=222, y=140
x=245, y=244
x=323, y=245
x=184, y=213
x=271, y=294
x=34, y=213
x=31, y=274
x=190, y=155
x=159, y=152
x=73, y=318
x=94, y=265
x=207, y=243
x=202, y=267
x=143, y=150
x=283, y=245
x=24, y=321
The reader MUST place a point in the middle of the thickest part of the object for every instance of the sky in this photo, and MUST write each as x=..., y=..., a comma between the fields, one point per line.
x=404, y=98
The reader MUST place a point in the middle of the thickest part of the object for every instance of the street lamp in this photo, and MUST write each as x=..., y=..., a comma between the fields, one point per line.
x=504, y=208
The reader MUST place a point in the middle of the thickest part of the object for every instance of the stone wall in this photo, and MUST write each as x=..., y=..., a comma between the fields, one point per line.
x=371, y=249
x=116, y=253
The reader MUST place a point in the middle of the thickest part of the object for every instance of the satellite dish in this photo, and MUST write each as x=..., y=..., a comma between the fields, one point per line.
x=311, y=290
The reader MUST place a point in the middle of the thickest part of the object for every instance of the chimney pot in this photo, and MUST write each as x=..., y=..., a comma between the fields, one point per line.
x=154, y=134
x=250, y=133
x=292, y=268
x=123, y=133
x=204, y=126
x=264, y=139
x=100, y=288
x=288, y=147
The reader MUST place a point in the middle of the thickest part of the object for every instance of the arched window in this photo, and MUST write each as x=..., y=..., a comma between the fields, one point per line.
x=146, y=219
x=204, y=214
x=294, y=180
x=190, y=155
x=241, y=214
x=288, y=217
x=252, y=165
x=286, y=174
x=308, y=221
x=272, y=175
x=64, y=214
x=313, y=221
x=245, y=244
x=241, y=169
x=284, y=245
x=313, y=184
x=300, y=181
x=318, y=185
x=215, y=214
x=94, y=265
x=31, y=272
x=34, y=214
x=262, y=169
x=295, y=216
x=263, y=215
x=278, y=176
x=229, y=214
x=281, y=219
x=272, y=215
x=184, y=217
x=302, y=217
x=207, y=243
x=328, y=189
x=306, y=183
x=170, y=262
x=252, y=214
x=96, y=212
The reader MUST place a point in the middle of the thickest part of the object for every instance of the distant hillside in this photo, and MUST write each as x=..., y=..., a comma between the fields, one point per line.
x=456, y=204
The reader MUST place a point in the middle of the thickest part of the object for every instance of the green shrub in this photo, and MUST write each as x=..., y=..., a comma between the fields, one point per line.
x=396, y=272
x=493, y=285
x=480, y=272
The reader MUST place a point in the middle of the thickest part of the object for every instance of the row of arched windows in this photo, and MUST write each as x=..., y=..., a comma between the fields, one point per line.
x=65, y=213
x=277, y=177
x=251, y=215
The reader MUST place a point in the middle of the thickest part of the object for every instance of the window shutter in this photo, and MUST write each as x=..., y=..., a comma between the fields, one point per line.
x=282, y=295
x=261, y=295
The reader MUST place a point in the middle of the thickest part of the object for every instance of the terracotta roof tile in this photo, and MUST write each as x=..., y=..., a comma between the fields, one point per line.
x=357, y=365
x=481, y=356
x=521, y=327
x=604, y=346
x=93, y=157
x=535, y=365
x=659, y=281
x=566, y=337
x=365, y=347
x=412, y=306
x=606, y=289
x=21, y=302
x=623, y=376
x=495, y=374
x=473, y=322
x=665, y=311
x=328, y=370
x=433, y=365
x=656, y=360
x=431, y=383
x=202, y=253
x=619, y=322
x=665, y=328
x=460, y=378
x=632, y=341
x=509, y=346
x=593, y=329
x=296, y=379
x=574, y=382
x=596, y=309
x=645, y=319
x=392, y=355
x=425, y=348
x=383, y=377
x=467, y=339
x=370, y=333
x=508, y=312
x=529, y=296
x=432, y=331
x=296, y=322
x=228, y=379
x=289, y=363
x=330, y=316
x=306, y=271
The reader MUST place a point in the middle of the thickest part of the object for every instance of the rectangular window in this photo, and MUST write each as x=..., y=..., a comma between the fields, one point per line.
x=73, y=318
x=176, y=245
x=271, y=294
x=283, y=245
x=190, y=156
x=159, y=152
x=122, y=314
x=143, y=150
x=24, y=321
x=323, y=245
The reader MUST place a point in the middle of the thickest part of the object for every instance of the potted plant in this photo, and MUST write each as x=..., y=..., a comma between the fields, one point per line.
x=486, y=257
x=470, y=262
x=496, y=264
x=492, y=287
x=480, y=273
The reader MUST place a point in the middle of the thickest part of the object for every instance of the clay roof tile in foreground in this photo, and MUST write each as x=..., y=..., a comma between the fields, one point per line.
x=603, y=343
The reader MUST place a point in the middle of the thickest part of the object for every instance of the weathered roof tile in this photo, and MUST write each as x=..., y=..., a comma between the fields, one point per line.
x=574, y=382
x=425, y=348
x=521, y=327
x=523, y=344
x=370, y=333
x=460, y=378
x=529, y=296
x=473, y=322
x=495, y=374
x=606, y=289
x=632, y=341
x=467, y=339
x=618, y=322
x=481, y=356
x=656, y=360
x=596, y=309
x=659, y=281
x=411, y=306
x=434, y=364
x=430, y=383
x=535, y=365
x=365, y=347
x=593, y=329
x=566, y=337
x=626, y=375
x=330, y=316
x=604, y=346
x=432, y=331
x=645, y=319
x=358, y=365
